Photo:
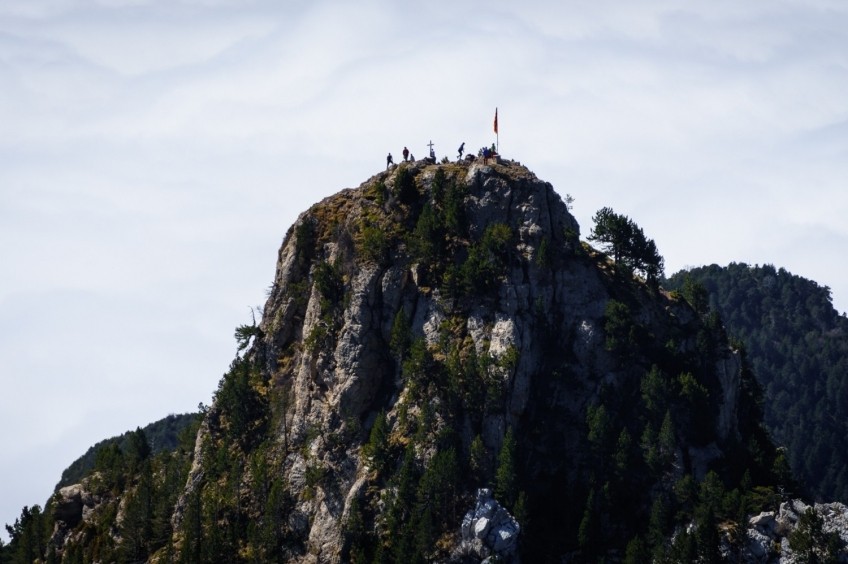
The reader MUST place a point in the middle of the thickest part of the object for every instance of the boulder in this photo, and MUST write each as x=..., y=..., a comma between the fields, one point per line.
x=488, y=530
x=73, y=504
x=764, y=522
x=758, y=546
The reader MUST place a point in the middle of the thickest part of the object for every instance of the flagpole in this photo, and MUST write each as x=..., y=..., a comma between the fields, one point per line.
x=497, y=133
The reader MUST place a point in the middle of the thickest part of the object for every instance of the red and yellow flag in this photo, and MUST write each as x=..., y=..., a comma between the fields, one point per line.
x=496, y=120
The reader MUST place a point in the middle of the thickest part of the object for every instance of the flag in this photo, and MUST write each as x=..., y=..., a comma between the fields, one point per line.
x=496, y=120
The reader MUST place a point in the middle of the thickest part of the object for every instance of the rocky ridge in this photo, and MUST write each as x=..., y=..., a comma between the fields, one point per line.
x=357, y=262
x=438, y=343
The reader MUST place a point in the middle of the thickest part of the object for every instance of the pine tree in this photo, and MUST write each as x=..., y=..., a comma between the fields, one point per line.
x=401, y=337
x=478, y=461
x=506, y=476
x=586, y=534
x=666, y=441
x=628, y=244
x=377, y=448
x=637, y=552
x=28, y=536
x=192, y=527
x=137, y=525
x=810, y=543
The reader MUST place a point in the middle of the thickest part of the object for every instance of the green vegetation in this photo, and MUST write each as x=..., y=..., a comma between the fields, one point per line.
x=28, y=537
x=506, y=476
x=377, y=448
x=163, y=435
x=239, y=405
x=405, y=189
x=626, y=241
x=244, y=333
x=487, y=259
x=127, y=466
x=437, y=239
x=375, y=243
x=797, y=346
x=810, y=543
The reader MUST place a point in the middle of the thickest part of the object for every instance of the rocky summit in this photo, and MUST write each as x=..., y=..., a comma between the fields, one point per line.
x=441, y=328
x=445, y=372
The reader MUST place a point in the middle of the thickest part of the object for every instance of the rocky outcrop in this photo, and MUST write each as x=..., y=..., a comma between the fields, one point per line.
x=768, y=533
x=73, y=505
x=489, y=533
x=70, y=503
x=510, y=314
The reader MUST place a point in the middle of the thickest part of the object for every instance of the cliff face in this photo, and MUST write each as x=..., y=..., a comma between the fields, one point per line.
x=439, y=329
x=343, y=376
x=352, y=374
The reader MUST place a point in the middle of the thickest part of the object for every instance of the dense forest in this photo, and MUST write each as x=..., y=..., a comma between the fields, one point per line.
x=122, y=475
x=797, y=345
x=162, y=435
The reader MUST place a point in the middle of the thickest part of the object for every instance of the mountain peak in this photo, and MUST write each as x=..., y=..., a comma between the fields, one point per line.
x=441, y=331
x=449, y=306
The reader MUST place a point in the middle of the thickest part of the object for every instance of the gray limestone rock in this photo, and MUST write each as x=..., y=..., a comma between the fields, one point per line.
x=69, y=505
x=768, y=532
x=488, y=530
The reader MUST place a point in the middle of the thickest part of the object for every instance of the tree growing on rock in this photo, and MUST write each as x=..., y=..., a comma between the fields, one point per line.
x=619, y=235
x=377, y=448
x=811, y=543
x=506, y=476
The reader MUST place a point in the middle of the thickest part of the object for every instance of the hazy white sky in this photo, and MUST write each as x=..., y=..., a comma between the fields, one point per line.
x=153, y=154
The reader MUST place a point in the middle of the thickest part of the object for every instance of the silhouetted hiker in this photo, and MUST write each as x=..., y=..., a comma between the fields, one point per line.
x=389, y=161
x=486, y=154
x=405, y=154
x=461, y=149
x=411, y=157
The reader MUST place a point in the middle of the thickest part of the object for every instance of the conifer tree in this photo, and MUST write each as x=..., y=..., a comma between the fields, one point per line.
x=586, y=534
x=810, y=543
x=377, y=448
x=666, y=440
x=506, y=476
x=401, y=337
x=477, y=462
x=628, y=244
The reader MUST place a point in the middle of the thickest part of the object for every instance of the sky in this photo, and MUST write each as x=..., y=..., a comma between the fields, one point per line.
x=153, y=154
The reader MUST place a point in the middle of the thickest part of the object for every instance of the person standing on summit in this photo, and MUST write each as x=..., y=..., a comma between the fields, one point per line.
x=405, y=154
x=389, y=161
x=461, y=149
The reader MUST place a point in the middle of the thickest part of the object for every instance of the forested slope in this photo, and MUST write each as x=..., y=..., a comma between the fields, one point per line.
x=162, y=435
x=797, y=345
